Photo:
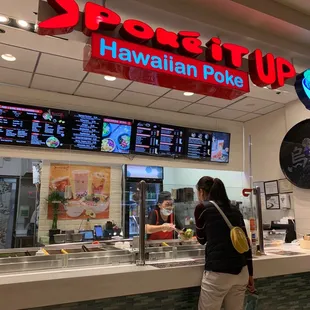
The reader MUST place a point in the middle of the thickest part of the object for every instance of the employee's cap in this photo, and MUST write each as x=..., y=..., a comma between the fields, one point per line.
x=164, y=196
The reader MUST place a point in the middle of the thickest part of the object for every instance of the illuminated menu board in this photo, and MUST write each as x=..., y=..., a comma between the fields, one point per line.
x=208, y=145
x=24, y=125
x=96, y=133
x=116, y=136
x=199, y=144
x=158, y=139
x=86, y=131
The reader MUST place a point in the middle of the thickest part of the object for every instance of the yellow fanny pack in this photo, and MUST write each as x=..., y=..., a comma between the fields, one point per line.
x=237, y=235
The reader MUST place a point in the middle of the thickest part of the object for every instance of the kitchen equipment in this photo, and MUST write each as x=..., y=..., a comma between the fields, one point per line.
x=60, y=238
x=77, y=237
x=307, y=237
x=304, y=244
x=68, y=234
x=132, y=175
x=274, y=237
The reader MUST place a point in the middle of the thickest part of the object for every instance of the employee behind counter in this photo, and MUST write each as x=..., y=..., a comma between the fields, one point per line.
x=162, y=222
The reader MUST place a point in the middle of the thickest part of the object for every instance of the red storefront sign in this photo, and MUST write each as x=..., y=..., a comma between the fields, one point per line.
x=164, y=58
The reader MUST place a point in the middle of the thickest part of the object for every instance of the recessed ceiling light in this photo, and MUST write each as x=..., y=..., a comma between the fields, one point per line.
x=23, y=23
x=8, y=57
x=109, y=78
x=250, y=105
x=4, y=19
x=187, y=94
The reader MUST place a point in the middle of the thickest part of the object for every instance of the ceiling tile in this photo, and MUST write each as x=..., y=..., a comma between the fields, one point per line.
x=179, y=95
x=169, y=104
x=247, y=117
x=100, y=80
x=271, y=108
x=61, y=67
x=199, y=109
x=250, y=104
x=25, y=60
x=96, y=91
x=283, y=95
x=217, y=102
x=54, y=84
x=228, y=114
x=15, y=77
x=148, y=89
x=135, y=98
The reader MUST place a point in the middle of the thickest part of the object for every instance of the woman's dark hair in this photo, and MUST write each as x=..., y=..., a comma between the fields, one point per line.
x=215, y=189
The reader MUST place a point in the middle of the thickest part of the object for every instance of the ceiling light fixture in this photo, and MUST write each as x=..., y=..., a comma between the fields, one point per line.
x=4, y=19
x=109, y=78
x=23, y=23
x=8, y=57
x=188, y=94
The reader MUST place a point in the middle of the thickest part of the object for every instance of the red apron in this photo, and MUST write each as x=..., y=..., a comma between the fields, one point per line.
x=161, y=235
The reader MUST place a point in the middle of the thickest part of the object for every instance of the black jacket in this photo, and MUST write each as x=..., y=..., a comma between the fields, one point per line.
x=212, y=230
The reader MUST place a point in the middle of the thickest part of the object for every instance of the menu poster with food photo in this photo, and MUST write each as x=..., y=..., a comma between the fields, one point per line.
x=86, y=188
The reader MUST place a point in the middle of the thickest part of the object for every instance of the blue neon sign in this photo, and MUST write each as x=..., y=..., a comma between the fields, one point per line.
x=302, y=87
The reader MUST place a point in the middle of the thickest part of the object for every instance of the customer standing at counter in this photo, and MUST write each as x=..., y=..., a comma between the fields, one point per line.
x=162, y=222
x=226, y=276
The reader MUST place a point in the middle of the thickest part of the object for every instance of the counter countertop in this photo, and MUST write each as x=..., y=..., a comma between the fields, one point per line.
x=60, y=286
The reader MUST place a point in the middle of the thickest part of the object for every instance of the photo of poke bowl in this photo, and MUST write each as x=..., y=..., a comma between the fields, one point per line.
x=106, y=130
x=108, y=145
x=74, y=209
x=52, y=142
x=95, y=204
x=124, y=142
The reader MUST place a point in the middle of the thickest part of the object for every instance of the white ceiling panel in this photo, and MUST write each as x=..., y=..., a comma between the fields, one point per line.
x=247, y=117
x=61, y=67
x=15, y=77
x=54, y=84
x=283, y=95
x=100, y=80
x=250, y=104
x=25, y=59
x=270, y=109
x=148, y=89
x=179, y=95
x=96, y=91
x=199, y=109
x=135, y=98
x=228, y=114
x=169, y=104
x=216, y=102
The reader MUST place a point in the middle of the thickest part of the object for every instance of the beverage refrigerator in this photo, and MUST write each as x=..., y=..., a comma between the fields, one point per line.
x=132, y=175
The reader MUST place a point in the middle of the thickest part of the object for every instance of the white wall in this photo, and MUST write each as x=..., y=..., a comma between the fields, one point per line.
x=267, y=134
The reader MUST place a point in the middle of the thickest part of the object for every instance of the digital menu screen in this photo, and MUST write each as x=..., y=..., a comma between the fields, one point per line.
x=158, y=139
x=86, y=131
x=96, y=133
x=208, y=145
x=199, y=144
x=25, y=125
x=220, y=147
x=116, y=135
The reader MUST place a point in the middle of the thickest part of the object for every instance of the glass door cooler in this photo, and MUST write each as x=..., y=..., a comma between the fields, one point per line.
x=132, y=175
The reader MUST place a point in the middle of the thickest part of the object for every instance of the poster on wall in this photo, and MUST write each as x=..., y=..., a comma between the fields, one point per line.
x=272, y=202
x=260, y=185
x=285, y=186
x=86, y=188
x=271, y=188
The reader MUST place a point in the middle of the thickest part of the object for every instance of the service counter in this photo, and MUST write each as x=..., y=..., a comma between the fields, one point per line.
x=283, y=279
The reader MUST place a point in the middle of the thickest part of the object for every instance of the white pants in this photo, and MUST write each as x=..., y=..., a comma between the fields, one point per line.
x=219, y=289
